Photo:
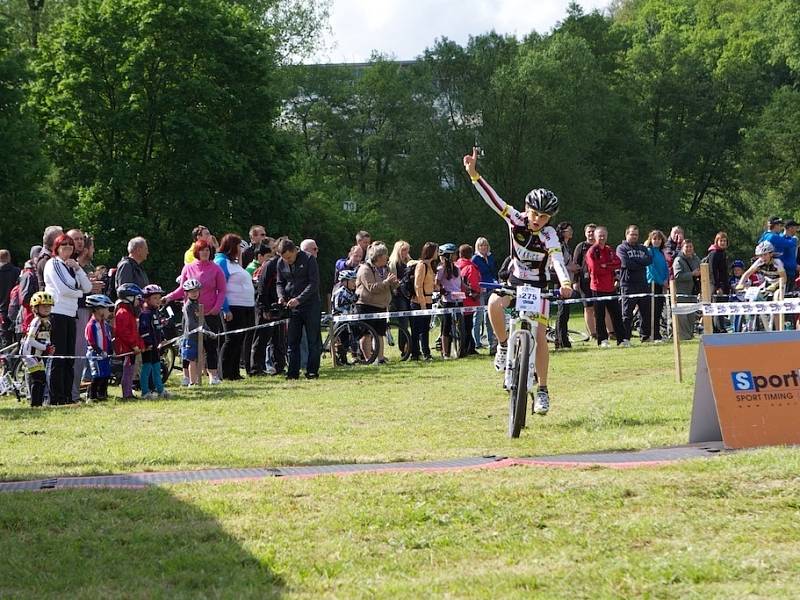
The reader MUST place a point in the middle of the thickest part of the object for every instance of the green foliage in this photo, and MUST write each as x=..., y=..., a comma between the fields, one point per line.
x=23, y=168
x=159, y=111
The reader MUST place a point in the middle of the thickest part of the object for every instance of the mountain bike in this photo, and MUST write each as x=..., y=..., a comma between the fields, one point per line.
x=529, y=305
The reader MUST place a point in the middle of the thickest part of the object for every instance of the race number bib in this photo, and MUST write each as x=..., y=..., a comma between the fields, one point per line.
x=529, y=299
x=751, y=293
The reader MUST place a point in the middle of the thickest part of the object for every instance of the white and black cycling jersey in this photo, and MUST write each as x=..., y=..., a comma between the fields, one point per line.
x=533, y=253
x=769, y=272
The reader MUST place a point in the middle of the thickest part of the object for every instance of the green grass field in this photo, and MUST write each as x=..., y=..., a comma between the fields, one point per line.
x=724, y=527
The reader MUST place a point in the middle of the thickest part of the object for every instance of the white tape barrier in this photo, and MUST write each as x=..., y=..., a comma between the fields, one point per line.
x=163, y=344
x=790, y=305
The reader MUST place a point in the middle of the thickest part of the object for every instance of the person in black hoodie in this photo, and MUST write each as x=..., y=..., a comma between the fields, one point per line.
x=718, y=262
x=633, y=280
x=9, y=276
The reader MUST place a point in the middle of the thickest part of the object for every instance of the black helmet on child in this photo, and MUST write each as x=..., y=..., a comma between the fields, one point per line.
x=128, y=292
x=542, y=201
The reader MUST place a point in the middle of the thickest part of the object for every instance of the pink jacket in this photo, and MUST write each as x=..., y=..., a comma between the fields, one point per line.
x=208, y=273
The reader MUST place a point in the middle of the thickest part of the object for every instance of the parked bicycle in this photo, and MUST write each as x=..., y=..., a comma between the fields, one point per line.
x=349, y=343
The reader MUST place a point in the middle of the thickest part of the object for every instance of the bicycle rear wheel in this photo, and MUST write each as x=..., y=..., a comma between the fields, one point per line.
x=354, y=343
x=401, y=339
x=518, y=394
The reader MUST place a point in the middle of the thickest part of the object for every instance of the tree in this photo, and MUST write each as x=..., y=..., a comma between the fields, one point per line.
x=158, y=111
x=22, y=166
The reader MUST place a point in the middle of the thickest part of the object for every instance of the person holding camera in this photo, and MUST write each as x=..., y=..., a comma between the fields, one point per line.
x=298, y=291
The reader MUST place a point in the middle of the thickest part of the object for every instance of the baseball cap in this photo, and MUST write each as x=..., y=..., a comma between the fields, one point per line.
x=791, y=223
x=775, y=221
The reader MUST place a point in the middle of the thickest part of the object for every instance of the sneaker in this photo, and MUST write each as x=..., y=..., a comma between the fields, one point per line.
x=214, y=381
x=658, y=341
x=165, y=395
x=604, y=344
x=270, y=370
x=150, y=396
x=625, y=343
x=185, y=382
x=541, y=403
x=500, y=357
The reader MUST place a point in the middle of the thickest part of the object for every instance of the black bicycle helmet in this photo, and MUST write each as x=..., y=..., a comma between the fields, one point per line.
x=542, y=201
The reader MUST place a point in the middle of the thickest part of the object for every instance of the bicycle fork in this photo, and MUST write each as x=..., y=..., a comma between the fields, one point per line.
x=511, y=357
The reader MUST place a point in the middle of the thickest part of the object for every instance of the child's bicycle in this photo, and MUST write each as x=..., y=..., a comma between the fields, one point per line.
x=522, y=328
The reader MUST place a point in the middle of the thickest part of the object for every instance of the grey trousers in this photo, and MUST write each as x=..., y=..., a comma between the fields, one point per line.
x=84, y=314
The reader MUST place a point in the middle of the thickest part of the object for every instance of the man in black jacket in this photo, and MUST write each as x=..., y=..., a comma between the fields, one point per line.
x=633, y=280
x=298, y=291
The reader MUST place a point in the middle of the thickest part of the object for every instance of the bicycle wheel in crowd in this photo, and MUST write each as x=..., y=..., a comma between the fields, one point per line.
x=18, y=376
x=167, y=359
x=457, y=345
x=577, y=336
x=354, y=343
x=518, y=394
x=398, y=341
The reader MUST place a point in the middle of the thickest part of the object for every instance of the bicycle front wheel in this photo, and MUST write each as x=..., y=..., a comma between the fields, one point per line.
x=518, y=394
x=354, y=343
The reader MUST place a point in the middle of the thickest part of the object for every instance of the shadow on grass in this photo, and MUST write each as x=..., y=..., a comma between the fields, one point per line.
x=122, y=543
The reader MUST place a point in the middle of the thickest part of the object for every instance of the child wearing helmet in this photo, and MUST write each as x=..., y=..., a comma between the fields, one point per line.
x=98, y=345
x=344, y=298
x=126, y=333
x=151, y=332
x=191, y=321
x=767, y=267
x=36, y=345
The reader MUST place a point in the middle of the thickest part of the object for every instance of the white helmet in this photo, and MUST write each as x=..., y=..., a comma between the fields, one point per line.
x=764, y=247
x=191, y=284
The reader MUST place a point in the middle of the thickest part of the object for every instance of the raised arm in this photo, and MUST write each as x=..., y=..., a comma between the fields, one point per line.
x=495, y=202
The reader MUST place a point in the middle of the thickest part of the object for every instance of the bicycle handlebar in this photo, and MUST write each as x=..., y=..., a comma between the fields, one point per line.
x=511, y=290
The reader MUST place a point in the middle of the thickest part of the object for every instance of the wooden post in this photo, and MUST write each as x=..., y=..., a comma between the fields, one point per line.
x=706, y=294
x=653, y=312
x=676, y=342
x=201, y=356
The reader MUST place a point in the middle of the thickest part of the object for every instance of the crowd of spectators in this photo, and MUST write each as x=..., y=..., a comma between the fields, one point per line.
x=237, y=284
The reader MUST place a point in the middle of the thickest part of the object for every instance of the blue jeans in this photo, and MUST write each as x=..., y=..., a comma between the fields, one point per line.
x=482, y=318
x=148, y=370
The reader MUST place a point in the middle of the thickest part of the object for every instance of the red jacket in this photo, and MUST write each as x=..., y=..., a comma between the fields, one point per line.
x=472, y=276
x=126, y=329
x=602, y=264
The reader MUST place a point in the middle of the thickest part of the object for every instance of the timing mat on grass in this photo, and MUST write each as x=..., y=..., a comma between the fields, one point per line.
x=619, y=460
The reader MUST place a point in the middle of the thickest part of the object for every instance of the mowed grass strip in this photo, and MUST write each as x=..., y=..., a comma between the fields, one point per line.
x=601, y=399
x=720, y=528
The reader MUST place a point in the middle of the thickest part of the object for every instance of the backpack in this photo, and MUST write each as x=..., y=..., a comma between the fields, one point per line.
x=406, y=287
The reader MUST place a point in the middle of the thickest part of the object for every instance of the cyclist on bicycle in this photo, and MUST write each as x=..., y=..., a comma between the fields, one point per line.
x=534, y=248
x=767, y=267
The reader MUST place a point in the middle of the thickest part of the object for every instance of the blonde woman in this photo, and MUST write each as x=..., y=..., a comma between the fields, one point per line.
x=398, y=264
